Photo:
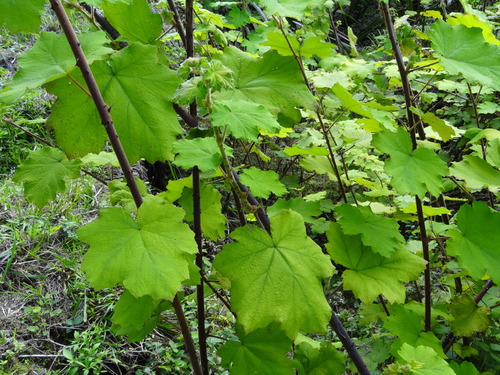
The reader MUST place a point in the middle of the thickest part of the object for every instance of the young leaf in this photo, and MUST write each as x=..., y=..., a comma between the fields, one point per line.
x=149, y=256
x=475, y=243
x=51, y=58
x=43, y=174
x=138, y=89
x=464, y=51
x=277, y=277
x=377, y=231
x=413, y=171
x=202, y=152
x=371, y=274
x=262, y=351
x=21, y=16
x=243, y=119
x=425, y=361
x=262, y=183
x=273, y=80
x=469, y=317
x=477, y=173
x=134, y=21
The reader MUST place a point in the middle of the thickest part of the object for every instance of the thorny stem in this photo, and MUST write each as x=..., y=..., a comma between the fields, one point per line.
x=411, y=128
x=104, y=113
x=177, y=22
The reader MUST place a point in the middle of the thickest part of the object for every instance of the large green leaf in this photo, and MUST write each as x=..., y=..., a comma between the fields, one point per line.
x=148, y=256
x=21, y=16
x=43, y=174
x=371, y=274
x=277, y=277
x=476, y=242
x=377, y=231
x=289, y=8
x=134, y=21
x=469, y=317
x=316, y=361
x=202, y=152
x=464, y=51
x=477, y=173
x=422, y=360
x=51, y=58
x=262, y=351
x=262, y=183
x=244, y=119
x=138, y=89
x=272, y=80
x=413, y=171
x=308, y=209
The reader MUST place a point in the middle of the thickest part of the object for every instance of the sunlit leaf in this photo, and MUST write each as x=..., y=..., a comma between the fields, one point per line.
x=262, y=183
x=469, y=317
x=21, y=16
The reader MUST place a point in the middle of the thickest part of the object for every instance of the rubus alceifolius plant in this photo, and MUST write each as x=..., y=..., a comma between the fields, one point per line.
x=322, y=179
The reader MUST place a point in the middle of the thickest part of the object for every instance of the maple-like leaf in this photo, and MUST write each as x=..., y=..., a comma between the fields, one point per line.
x=469, y=317
x=476, y=243
x=262, y=183
x=277, y=277
x=243, y=119
x=477, y=173
x=413, y=171
x=51, y=58
x=148, y=256
x=134, y=21
x=139, y=91
x=21, y=16
x=43, y=174
x=464, y=51
x=272, y=80
x=371, y=274
x=324, y=359
x=278, y=42
x=202, y=152
x=262, y=351
x=308, y=209
x=377, y=231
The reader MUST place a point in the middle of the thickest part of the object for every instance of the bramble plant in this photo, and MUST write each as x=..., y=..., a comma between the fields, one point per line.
x=323, y=171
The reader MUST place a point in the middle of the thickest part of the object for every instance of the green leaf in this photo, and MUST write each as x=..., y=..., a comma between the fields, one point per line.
x=445, y=131
x=239, y=17
x=51, y=58
x=262, y=183
x=21, y=16
x=296, y=150
x=148, y=256
x=377, y=231
x=139, y=91
x=371, y=274
x=243, y=119
x=315, y=46
x=308, y=209
x=272, y=80
x=349, y=102
x=477, y=173
x=425, y=360
x=278, y=42
x=277, y=277
x=413, y=171
x=262, y=351
x=408, y=326
x=134, y=21
x=101, y=159
x=469, y=317
x=288, y=8
x=316, y=361
x=465, y=368
x=213, y=222
x=43, y=174
x=475, y=243
x=202, y=152
x=136, y=317
x=120, y=194
x=464, y=50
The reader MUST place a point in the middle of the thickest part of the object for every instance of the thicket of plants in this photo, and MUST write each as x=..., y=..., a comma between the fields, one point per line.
x=290, y=172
